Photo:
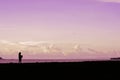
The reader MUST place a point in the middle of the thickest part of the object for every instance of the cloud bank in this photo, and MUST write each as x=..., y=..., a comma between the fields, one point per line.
x=48, y=50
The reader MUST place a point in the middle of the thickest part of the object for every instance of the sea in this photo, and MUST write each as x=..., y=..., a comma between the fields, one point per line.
x=47, y=60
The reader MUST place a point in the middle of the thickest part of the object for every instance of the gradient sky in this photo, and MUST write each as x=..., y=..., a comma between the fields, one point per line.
x=60, y=28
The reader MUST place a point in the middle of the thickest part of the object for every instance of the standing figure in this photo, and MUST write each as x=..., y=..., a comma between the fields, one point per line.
x=20, y=56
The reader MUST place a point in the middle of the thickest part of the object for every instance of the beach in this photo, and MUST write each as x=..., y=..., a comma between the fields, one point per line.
x=62, y=70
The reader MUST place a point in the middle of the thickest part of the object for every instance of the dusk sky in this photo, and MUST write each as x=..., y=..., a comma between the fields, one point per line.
x=79, y=29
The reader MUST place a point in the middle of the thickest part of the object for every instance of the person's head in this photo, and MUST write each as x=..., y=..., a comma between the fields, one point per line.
x=19, y=53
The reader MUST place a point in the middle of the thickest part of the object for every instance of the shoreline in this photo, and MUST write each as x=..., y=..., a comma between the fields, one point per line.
x=49, y=60
x=66, y=62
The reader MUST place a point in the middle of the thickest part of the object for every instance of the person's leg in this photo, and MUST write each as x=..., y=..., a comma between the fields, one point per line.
x=19, y=60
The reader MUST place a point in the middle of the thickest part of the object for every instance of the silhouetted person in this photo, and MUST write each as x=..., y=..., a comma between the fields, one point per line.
x=20, y=56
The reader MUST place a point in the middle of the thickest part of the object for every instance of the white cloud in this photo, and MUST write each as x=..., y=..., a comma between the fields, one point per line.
x=4, y=41
x=31, y=43
x=7, y=42
x=114, y=1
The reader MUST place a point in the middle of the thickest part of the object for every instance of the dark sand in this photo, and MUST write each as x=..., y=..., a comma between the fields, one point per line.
x=74, y=70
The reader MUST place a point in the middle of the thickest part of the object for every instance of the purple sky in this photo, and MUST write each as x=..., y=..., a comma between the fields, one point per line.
x=91, y=23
